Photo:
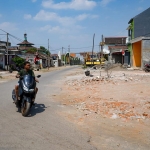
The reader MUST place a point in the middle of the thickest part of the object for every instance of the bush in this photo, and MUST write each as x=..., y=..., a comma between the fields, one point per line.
x=84, y=66
x=18, y=61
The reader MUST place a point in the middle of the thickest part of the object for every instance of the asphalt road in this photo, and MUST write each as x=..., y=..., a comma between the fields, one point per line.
x=44, y=128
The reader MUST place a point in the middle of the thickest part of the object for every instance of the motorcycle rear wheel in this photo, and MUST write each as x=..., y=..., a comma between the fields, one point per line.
x=25, y=109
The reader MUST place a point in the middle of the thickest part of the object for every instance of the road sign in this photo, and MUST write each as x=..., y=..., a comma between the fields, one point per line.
x=123, y=52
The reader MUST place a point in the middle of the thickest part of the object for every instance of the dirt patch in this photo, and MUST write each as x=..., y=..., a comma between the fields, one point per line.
x=119, y=104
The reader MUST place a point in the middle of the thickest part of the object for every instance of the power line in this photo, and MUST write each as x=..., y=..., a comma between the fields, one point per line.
x=3, y=31
x=82, y=47
x=12, y=40
x=16, y=37
x=12, y=35
x=56, y=49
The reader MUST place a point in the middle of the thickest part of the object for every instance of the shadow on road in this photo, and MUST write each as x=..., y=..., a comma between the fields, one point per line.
x=38, y=108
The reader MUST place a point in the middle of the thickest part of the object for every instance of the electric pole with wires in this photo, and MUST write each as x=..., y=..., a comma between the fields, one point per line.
x=7, y=51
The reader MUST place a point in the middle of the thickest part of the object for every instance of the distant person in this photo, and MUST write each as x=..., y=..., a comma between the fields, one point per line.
x=36, y=59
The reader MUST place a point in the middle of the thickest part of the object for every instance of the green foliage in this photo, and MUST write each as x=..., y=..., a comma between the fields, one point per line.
x=18, y=61
x=84, y=66
x=32, y=50
x=44, y=50
x=67, y=55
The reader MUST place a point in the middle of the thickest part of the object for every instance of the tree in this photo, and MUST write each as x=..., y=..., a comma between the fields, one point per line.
x=32, y=50
x=43, y=49
x=18, y=61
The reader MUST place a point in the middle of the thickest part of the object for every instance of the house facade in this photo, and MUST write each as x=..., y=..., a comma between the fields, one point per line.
x=139, y=38
x=12, y=52
x=118, y=51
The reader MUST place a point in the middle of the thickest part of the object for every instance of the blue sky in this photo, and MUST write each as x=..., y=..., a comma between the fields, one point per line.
x=67, y=22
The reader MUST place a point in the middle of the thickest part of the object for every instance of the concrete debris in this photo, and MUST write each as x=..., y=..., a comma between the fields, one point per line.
x=114, y=116
x=117, y=96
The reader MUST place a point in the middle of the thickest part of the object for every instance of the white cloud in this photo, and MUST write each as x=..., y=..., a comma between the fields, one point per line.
x=55, y=29
x=66, y=21
x=82, y=17
x=79, y=27
x=8, y=26
x=27, y=16
x=94, y=16
x=79, y=38
x=58, y=29
x=33, y=1
x=47, y=27
x=105, y=2
x=74, y=4
x=85, y=16
x=46, y=16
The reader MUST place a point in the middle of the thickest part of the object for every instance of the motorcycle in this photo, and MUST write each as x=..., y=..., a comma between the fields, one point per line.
x=27, y=89
x=147, y=67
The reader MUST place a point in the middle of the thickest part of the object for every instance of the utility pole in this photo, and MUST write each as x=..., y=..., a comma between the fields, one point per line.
x=65, y=58
x=48, y=45
x=48, y=61
x=100, y=51
x=69, y=53
x=93, y=48
x=7, y=50
x=102, y=44
x=62, y=57
x=62, y=50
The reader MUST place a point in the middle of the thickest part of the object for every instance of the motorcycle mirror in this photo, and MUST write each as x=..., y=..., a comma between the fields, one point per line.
x=38, y=76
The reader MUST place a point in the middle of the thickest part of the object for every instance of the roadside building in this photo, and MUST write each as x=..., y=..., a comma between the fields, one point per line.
x=56, y=60
x=28, y=52
x=118, y=50
x=139, y=38
x=12, y=52
x=24, y=48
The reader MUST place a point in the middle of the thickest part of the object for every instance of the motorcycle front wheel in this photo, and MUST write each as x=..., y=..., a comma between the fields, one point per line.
x=25, y=108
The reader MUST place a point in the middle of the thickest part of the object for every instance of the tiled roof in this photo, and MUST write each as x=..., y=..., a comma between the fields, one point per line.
x=117, y=37
x=25, y=42
x=84, y=53
x=54, y=55
x=12, y=47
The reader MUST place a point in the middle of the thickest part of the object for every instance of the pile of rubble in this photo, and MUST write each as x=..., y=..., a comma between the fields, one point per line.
x=105, y=79
x=84, y=95
x=113, y=109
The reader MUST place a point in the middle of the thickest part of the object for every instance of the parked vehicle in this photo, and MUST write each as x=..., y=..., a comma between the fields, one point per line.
x=27, y=87
x=147, y=67
x=14, y=68
x=91, y=60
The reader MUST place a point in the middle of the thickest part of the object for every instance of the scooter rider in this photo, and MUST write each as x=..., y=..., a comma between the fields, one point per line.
x=25, y=71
